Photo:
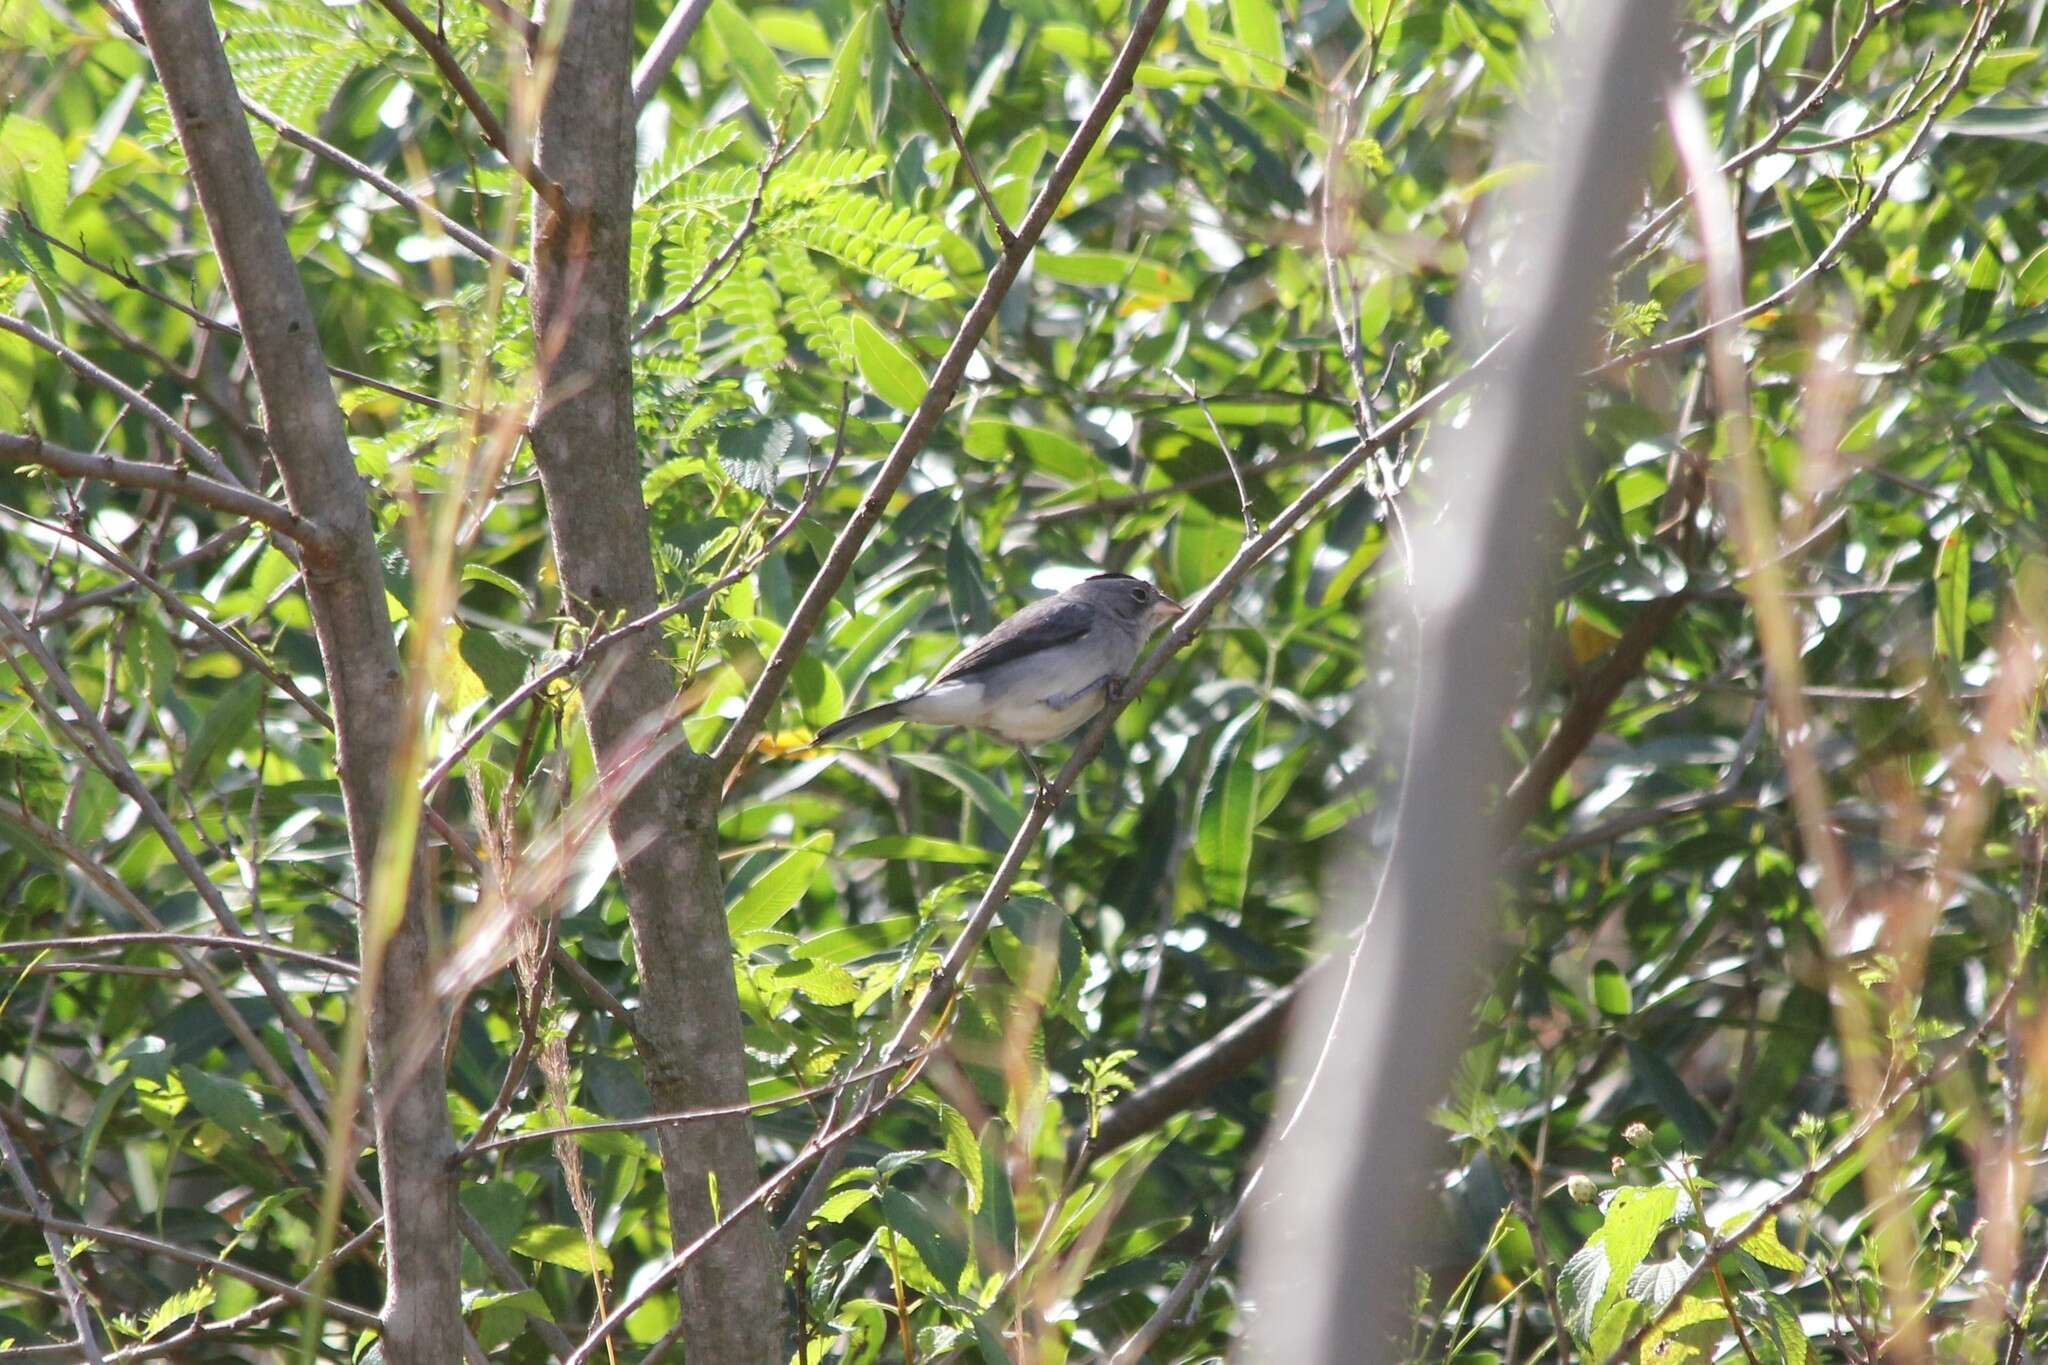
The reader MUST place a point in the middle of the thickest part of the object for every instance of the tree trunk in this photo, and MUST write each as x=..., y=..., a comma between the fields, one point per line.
x=344, y=584
x=666, y=825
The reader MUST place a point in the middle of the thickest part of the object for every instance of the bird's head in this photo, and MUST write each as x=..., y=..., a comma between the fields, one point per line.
x=1128, y=599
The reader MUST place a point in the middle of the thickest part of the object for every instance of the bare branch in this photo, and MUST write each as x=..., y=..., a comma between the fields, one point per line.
x=60, y=1255
x=676, y=32
x=162, y=478
x=469, y=240
x=201, y=453
x=344, y=585
x=487, y=120
x=206, y=942
x=121, y=1237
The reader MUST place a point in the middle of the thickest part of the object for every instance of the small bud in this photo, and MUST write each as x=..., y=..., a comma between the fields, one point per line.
x=1582, y=1188
x=1637, y=1135
x=1617, y=1166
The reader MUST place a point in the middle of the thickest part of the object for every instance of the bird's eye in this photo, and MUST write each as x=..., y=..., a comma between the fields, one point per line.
x=1140, y=596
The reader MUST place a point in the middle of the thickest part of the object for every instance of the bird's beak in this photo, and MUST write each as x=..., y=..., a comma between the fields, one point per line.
x=1165, y=609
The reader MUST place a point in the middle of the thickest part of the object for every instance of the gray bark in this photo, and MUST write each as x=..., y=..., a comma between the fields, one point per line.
x=1356, y=1173
x=344, y=585
x=666, y=825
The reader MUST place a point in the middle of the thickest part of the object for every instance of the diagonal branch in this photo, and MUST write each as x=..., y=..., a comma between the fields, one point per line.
x=894, y=11
x=468, y=239
x=923, y=423
x=201, y=453
x=675, y=35
x=487, y=120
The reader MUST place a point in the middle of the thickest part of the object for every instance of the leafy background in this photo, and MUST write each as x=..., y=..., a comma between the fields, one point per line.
x=1675, y=1030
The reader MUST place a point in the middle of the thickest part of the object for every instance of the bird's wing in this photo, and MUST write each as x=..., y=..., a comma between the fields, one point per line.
x=1042, y=625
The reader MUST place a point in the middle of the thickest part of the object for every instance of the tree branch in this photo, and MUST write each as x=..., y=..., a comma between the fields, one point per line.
x=487, y=120
x=201, y=453
x=477, y=245
x=676, y=32
x=1334, y=1246
x=230, y=498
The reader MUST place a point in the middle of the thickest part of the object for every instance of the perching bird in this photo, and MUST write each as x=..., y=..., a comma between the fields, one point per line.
x=1040, y=674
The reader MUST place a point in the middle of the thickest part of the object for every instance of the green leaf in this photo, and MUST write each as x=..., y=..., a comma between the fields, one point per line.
x=1763, y=1244
x=754, y=63
x=757, y=456
x=1610, y=989
x=1980, y=291
x=1952, y=596
x=1634, y=1219
x=978, y=787
x=778, y=890
x=222, y=725
x=2032, y=289
x=1262, y=41
x=182, y=1304
x=847, y=89
x=33, y=170
x=962, y=1152
x=918, y=848
x=1120, y=269
x=1011, y=179
x=482, y=573
x=559, y=1245
x=1228, y=811
x=828, y=985
x=839, y=1205
x=942, y=1251
x=887, y=368
x=966, y=591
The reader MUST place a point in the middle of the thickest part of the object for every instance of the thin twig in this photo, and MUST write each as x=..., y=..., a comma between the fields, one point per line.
x=60, y=1254
x=893, y=9
x=469, y=240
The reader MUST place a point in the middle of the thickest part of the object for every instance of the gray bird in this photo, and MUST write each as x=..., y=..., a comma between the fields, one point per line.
x=1039, y=675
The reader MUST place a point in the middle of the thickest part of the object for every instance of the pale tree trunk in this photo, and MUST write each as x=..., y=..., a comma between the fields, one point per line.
x=344, y=585
x=666, y=825
x=1375, y=1042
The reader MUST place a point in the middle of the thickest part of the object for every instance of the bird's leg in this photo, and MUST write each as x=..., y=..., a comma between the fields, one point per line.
x=1115, y=690
x=1037, y=775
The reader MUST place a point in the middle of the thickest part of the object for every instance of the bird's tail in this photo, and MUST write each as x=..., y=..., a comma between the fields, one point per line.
x=860, y=721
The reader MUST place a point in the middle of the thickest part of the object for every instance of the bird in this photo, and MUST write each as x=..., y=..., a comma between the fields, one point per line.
x=1039, y=675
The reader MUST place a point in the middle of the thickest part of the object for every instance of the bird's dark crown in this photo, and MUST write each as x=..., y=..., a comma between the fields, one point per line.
x=1126, y=577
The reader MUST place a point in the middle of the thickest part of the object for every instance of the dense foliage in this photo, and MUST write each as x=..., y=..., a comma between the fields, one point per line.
x=1760, y=952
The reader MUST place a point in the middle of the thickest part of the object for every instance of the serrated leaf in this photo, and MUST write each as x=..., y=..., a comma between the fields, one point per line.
x=962, y=1152
x=1634, y=1218
x=754, y=456
x=1763, y=1244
